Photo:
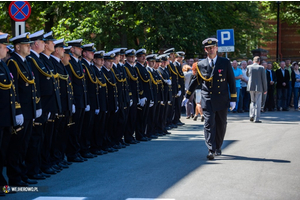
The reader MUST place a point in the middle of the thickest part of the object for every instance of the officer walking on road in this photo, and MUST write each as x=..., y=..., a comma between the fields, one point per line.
x=215, y=75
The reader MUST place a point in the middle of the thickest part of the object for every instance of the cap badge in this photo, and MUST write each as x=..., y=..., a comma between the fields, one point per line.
x=27, y=36
x=209, y=42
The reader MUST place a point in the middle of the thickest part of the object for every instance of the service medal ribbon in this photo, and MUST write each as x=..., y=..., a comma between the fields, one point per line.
x=11, y=75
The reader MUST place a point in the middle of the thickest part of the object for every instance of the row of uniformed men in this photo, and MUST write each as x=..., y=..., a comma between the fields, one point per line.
x=59, y=105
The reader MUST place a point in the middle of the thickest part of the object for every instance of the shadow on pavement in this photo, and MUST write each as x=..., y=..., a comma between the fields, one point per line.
x=234, y=157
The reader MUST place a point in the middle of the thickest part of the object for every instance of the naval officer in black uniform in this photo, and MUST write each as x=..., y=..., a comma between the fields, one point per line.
x=76, y=73
x=23, y=80
x=7, y=108
x=146, y=95
x=112, y=99
x=62, y=125
x=92, y=100
x=214, y=75
x=134, y=93
x=99, y=137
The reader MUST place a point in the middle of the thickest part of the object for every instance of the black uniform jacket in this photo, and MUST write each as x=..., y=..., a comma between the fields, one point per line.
x=9, y=103
x=23, y=80
x=179, y=71
x=78, y=81
x=167, y=89
x=102, y=87
x=144, y=81
x=174, y=78
x=133, y=82
x=65, y=85
x=92, y=85
x=111, y=83
x=214, y=84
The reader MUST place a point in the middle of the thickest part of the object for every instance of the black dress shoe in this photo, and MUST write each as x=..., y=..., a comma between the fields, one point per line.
x=76, y=159
x=218, y=152
x=251, y=119
x=82, y=158
x=167, y=132
x=257, y=121
x=168, y=128
x=29, y=181
x=49, y=171
x=87, y=155
x=62, y=165
x=143, y=139
x=153, y=137
x=180, y=124
x=56, y=167
x=66, y=162
x=18, y=183
x=195, y=118
x=131, y=142
x=103, y=152
x=174, y=125
x=43, y=174
x=210, y=155
x=37, y=177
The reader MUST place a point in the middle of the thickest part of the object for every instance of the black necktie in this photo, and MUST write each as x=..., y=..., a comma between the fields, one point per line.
x=212, y=64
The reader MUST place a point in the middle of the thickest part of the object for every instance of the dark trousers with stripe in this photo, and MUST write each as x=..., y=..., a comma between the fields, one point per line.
x=214, y=127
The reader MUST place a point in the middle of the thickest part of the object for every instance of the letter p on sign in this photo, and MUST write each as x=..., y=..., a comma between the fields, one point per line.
x=225, y=36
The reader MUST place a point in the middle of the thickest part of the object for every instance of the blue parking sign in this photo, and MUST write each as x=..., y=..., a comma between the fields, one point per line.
x=225, y=40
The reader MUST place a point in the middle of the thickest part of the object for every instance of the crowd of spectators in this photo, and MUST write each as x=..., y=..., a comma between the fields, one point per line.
x=283, y=87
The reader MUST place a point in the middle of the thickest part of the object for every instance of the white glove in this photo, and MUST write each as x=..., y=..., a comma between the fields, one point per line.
x=117, y=109
x=87, y=108
x=184, y=101
x=232, y=105
x=179, y=93
x=49, y=115
x=97, y=111
x=162, y=103
x=19, y=119
x=151, y=103
x=169, y=82
x=38, y=113
x=131, y=102
x=143, y=101
x=169, y=102
x=73, y=108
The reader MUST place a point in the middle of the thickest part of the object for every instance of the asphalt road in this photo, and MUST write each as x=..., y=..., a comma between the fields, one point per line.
x=259, y=161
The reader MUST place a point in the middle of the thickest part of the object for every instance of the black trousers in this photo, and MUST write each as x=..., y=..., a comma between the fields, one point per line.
x=214, y=127
x=121, y=124
x=60, y=137
x=177, y=109
x=5, y=134
x=47, y=142
x=16, y=152
x=109, y=128
x=33, y=156
x=141, y=120
x=73, y=146
x=87, y=130
x=150, y=127
x=270, y=104
x=98, y=135
x=131, y=123
x=171, y=111
x=160, y=110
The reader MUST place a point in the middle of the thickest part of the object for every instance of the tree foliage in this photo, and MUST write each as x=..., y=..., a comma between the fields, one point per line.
x=153, y=25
